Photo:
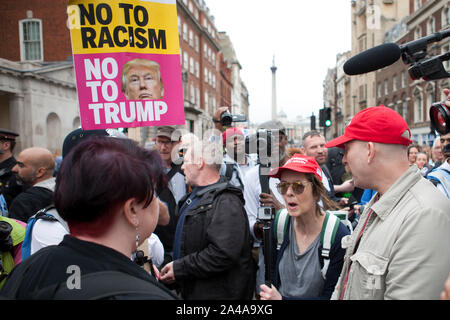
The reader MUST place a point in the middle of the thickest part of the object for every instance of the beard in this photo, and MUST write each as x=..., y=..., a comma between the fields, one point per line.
x=21, y=182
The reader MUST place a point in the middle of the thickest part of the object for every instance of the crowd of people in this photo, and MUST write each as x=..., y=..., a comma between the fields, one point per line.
x=363, y=216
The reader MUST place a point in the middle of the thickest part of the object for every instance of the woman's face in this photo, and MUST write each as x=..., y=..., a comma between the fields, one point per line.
x=298, y=204
x=412, y=155
x=148, y=218
x=421, y=159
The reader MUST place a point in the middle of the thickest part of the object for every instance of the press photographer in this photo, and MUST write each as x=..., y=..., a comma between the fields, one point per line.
x=269, y=143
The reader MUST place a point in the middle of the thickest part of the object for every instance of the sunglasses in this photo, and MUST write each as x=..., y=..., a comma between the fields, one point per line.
x=298, y=187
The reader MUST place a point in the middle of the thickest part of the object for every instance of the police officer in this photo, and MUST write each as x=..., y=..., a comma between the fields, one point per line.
x=8, y=186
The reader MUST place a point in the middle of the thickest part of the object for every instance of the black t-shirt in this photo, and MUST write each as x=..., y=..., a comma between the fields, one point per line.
x=54, y=264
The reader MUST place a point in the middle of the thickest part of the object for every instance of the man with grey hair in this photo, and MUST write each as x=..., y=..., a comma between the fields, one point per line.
x=33, y=170
x=212, y=244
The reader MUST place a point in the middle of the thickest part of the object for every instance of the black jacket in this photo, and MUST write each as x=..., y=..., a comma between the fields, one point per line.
x=216, y=261
x=29, y=202
x=52, y=265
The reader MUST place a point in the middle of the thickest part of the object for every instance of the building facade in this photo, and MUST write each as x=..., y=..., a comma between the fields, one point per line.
x=38, y=96
x=395, y=88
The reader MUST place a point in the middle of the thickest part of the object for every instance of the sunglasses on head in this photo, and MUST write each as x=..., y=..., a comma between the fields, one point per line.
x=297, y=186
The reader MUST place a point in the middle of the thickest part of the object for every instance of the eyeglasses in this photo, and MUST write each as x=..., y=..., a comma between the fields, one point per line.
x=298, y=187
x=166, y=143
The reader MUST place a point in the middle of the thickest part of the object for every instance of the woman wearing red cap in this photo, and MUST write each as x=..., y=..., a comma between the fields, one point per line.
x=300, y=269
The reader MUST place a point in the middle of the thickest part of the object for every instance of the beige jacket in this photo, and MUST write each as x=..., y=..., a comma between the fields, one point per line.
x=404, y=252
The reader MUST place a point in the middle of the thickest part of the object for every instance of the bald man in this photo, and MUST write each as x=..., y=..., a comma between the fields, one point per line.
x=34, y=170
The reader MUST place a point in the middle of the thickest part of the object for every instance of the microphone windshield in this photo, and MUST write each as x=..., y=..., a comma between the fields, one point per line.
x=373, y=59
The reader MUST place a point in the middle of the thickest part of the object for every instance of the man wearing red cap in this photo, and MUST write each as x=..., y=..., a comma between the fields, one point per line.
x=234, y=143
x=399, y=250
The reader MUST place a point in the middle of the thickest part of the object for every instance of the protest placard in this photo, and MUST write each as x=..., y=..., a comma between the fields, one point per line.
x=127, y=63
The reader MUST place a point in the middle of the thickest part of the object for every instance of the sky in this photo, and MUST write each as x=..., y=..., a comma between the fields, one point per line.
x=304, y=36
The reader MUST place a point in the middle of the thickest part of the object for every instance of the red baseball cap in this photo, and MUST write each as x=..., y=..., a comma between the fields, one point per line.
x=376, y=124
x=298, y=163
x=231, y=132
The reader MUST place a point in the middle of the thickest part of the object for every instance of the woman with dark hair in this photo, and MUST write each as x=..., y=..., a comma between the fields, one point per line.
x=413, y=150
x=306, y=263
x=105, y=190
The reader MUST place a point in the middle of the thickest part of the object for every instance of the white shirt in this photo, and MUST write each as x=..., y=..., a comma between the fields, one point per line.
x=251, y=195
x=46, y=233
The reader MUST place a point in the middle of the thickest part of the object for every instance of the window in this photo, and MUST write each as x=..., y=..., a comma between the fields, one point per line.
x=205, y=51
x=431, y=26
x=214, y=81
x=196, y=43
x=379, y=90
x=418, y=33
x=192, y=97
x=394, y=83
x=185, y=32
x=403, y=79
x=417, y=4
x=206, y=75
x=197, y=96
x=191, y=65
x=418, y=106
x=206, y=102
x=179, y=26
x=191, y=38
x=31, y=48
x=446, y=17
x=430, y=100
x=213, y=58
x=197, y=69
x=447, y=63
x=386, y=89
x=186, y=61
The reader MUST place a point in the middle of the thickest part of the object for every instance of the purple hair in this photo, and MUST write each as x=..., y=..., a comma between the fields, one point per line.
x=98, y=176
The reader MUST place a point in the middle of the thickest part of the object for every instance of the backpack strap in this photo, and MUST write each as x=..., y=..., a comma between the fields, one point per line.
x=327, y=235
x=41, y=214
x=281, y=223
x=101, y=285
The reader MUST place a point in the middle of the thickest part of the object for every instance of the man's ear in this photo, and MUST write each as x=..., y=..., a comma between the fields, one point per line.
x=130, y=212
x=371, y=152
x=40, y=172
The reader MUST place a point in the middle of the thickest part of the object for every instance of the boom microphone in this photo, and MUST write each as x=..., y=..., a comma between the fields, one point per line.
x=373, y=59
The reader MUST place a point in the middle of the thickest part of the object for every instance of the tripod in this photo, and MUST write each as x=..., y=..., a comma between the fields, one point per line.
x=266, y=215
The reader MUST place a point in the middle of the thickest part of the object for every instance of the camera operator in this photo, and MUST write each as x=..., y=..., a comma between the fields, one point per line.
x=229, y=169
x=254, y=198
x=234, y=142
x=441, y=175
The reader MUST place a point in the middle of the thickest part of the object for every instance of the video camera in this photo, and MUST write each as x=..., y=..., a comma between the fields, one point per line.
x=262, y=143
x=414, y=53
x=226, y=118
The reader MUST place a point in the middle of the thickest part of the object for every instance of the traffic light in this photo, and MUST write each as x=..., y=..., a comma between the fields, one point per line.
x=327, y=117
x=313, y=122
x=322, y=117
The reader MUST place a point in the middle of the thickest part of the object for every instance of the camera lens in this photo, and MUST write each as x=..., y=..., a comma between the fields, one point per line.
x=5, y=230
x=440, y=117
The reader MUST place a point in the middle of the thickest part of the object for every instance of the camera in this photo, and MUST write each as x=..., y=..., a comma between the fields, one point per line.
x=266, y=213
x=6, y=242
x=226, y=118
x=440, y=117
x=262, y=143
